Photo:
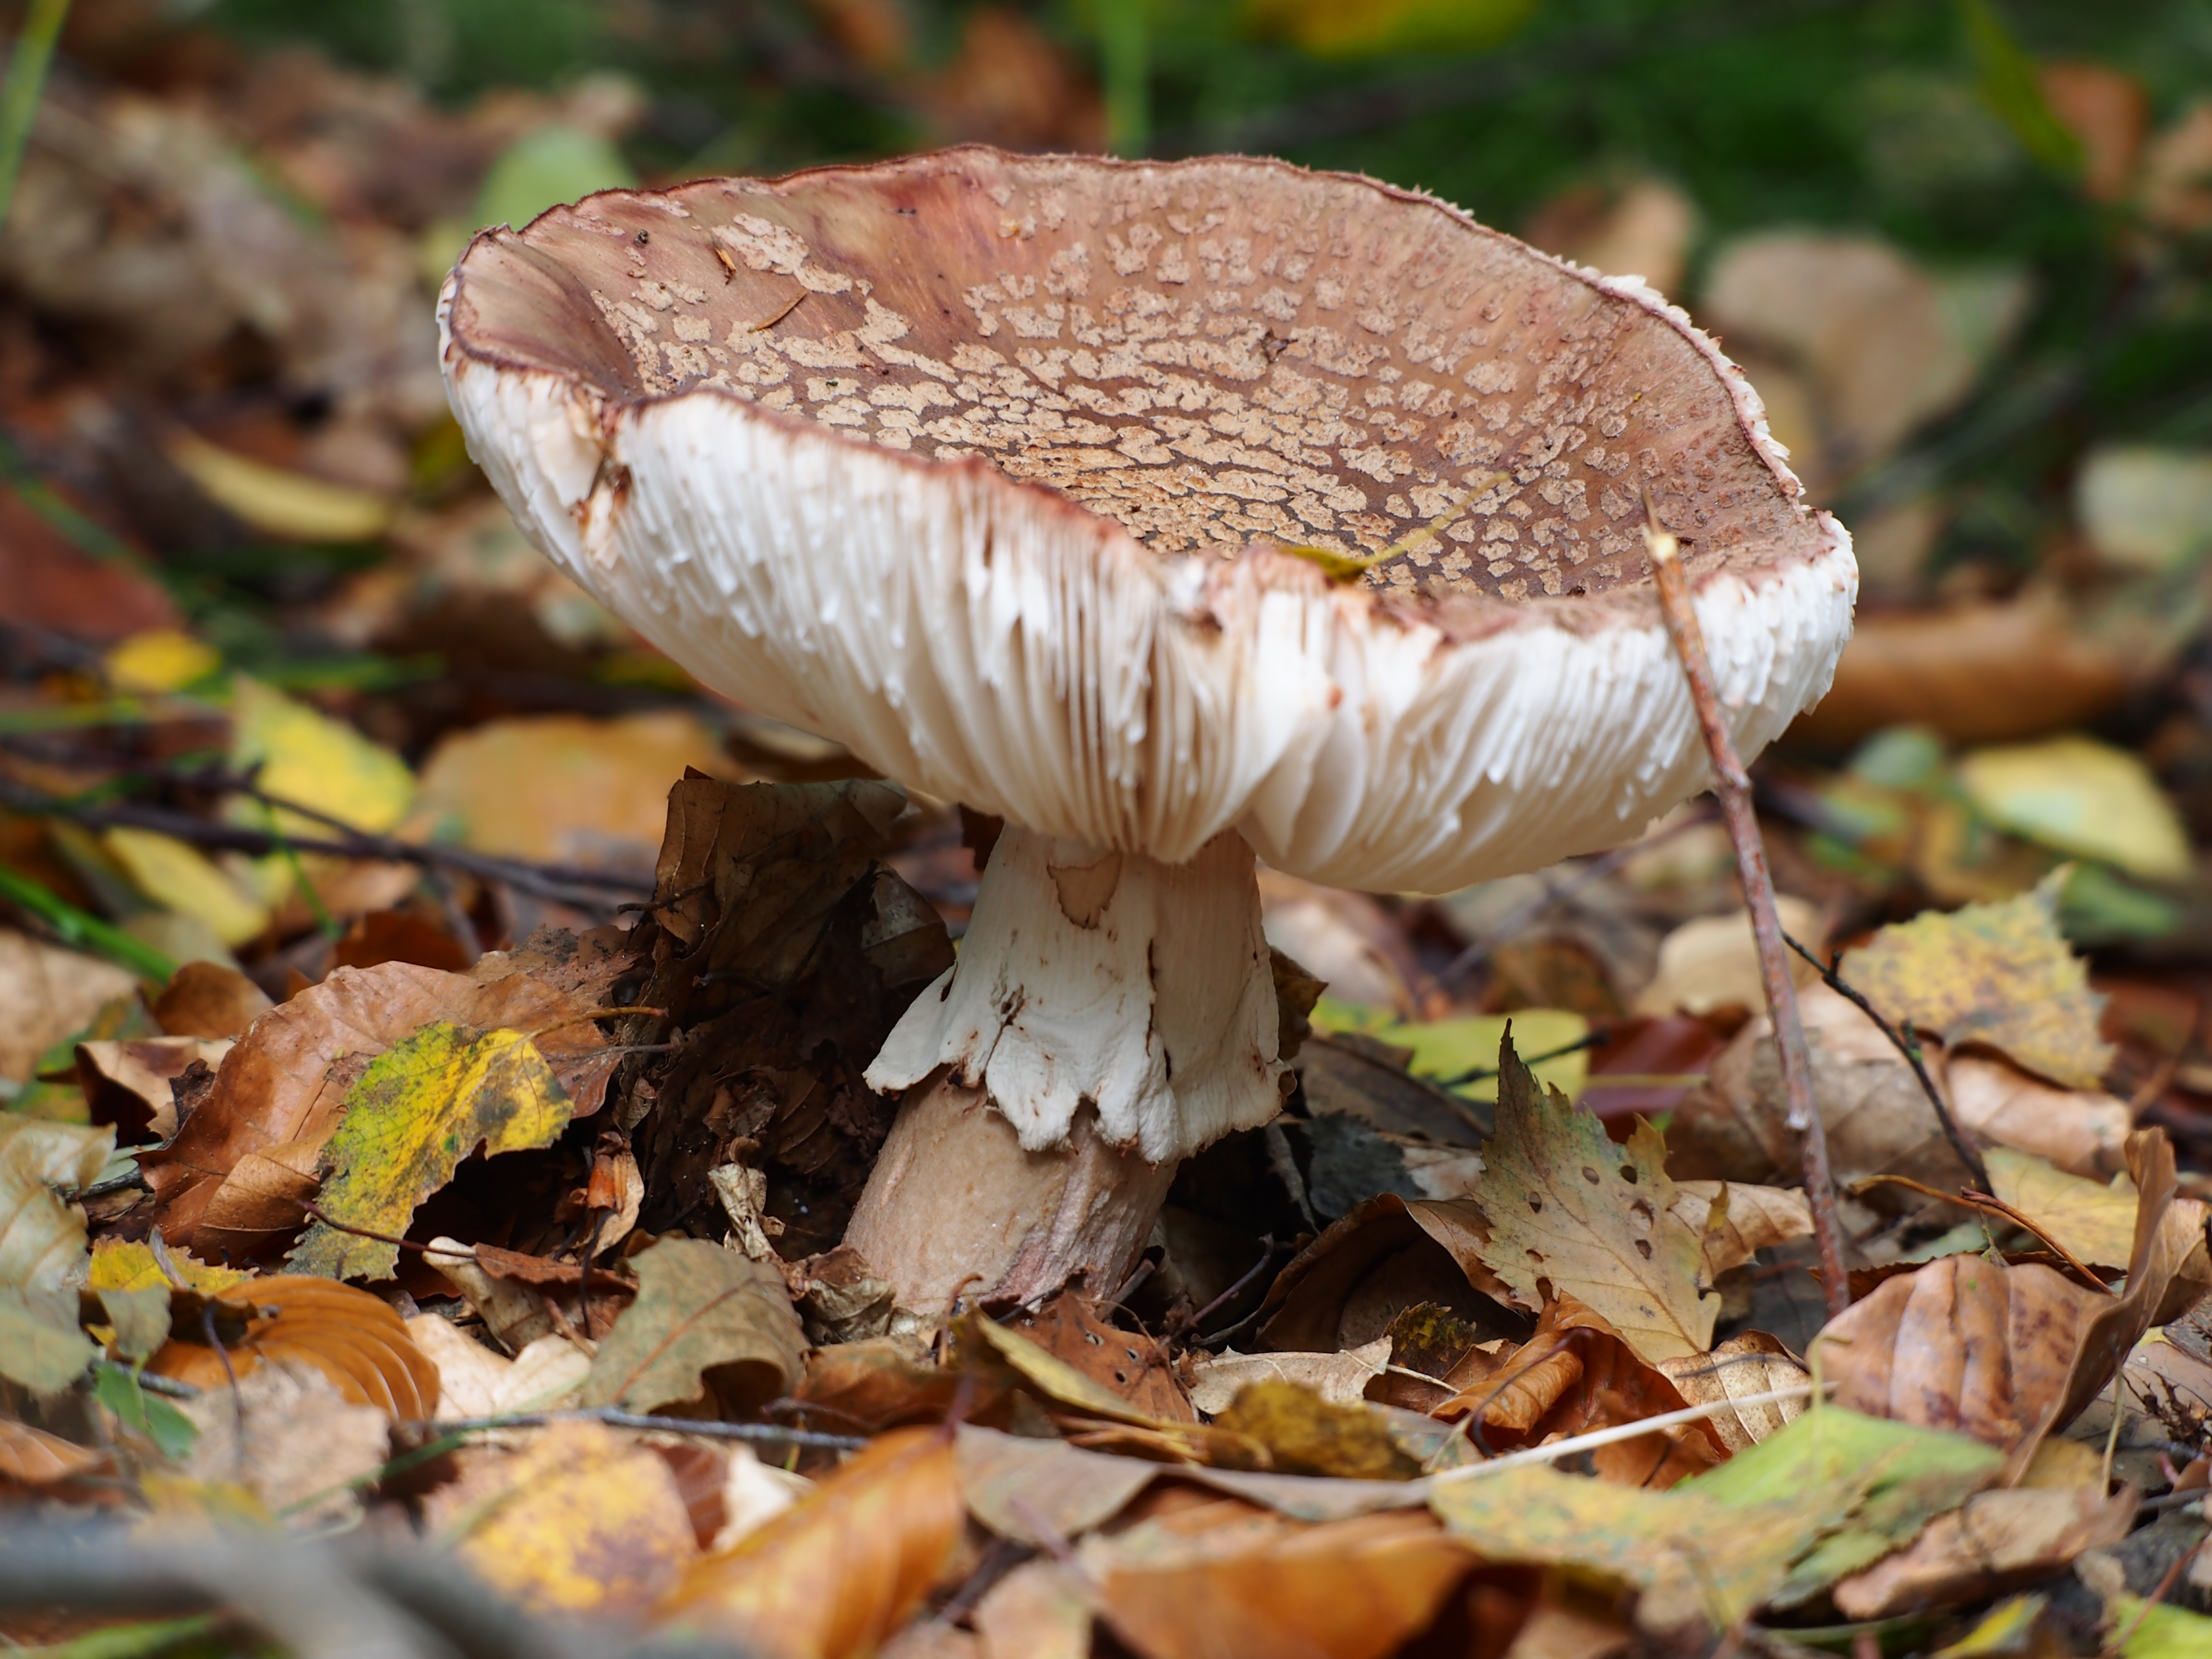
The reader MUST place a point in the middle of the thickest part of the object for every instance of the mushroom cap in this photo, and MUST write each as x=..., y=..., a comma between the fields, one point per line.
x=986, y=465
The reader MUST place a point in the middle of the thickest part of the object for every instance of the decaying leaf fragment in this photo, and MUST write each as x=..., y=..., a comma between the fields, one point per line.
x=2007, y=1354
x=1999, y=974
x=1571, y=1213
x=708, y=1323
x=423, y=1105
x=582, y=1520
x=291, y=1435
x=839, y=1570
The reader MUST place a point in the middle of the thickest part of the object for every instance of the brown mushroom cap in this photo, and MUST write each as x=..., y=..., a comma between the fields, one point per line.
x=1198, y=362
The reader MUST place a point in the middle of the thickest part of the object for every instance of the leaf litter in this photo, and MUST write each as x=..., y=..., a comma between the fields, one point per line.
x=484, y=1189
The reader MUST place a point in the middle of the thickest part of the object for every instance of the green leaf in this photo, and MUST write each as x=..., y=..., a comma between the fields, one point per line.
x=40, y=1346
x=423, y=1105
x=172, y=1433
x=557, y=163
x=2164, y=1632
x=2008, y=84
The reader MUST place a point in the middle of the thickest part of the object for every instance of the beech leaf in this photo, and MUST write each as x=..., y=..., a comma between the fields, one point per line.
x=1571, y=1213
x=41, y=1236
x=708, y=1322
x=422, y=1106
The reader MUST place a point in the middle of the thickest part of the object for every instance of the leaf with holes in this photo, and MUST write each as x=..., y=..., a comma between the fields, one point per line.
x=1572, y=1214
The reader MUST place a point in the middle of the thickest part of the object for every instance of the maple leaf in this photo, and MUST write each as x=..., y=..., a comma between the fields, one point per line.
x=1571, y=1213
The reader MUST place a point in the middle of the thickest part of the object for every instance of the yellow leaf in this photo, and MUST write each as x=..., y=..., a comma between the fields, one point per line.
x=423, y=1105
x=178, y=877
x=1996, y=974
x=560, y=788
x=160, y=660
x=277, y=501
x=1570, y=1211
x=2097, y=1223
x=299, y=755
x=2081, y=796
x=1446, y=1050
x=582, y=1523
x=118, y=1265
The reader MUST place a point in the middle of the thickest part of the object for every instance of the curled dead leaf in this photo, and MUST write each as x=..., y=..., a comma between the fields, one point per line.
x=1752, y=1363
x=32, y=1457
x=1998, y=1541
x=2007, y=1354
x=839, y=1570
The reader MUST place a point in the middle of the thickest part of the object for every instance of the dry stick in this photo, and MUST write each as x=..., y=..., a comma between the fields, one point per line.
x=1907, y=1043
x=1732, y=784
x=1553, y=1450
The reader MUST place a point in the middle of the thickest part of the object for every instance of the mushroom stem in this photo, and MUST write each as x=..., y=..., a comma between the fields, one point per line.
x=1109, y=1015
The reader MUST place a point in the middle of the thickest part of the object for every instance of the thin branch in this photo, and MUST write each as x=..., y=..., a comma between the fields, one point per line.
x=1556, y=1449
x=774, y=1433
x=1906, y=1042
x=552, y=881
x=1732, y=786
x=1976, y=1201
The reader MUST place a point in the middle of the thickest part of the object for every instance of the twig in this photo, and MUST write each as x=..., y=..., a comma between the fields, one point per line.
x=553, y=881
x=1732, y=785
x=19, y=96
x=1581, y=1443
x=1983, y=1201
x=772, y=1432
x=1907, y=1043
x=1267, y=1248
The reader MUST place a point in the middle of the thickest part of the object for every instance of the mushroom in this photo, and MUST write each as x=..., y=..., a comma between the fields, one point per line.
x=1172, y=513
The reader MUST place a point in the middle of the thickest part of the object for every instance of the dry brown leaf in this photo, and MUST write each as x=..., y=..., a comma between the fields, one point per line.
x=1998, y=1542
x=1754, y=1363
x=47, y=993
x=2082, y=1131
x=1576, y=1374
x=882, y=1383
x=209, y=1001
x=285, y=1085
x=583, y=1521
x=1750, y=1218
x=1999, y=974
x=355, y=1341
x=1987, y=671
x=475, y=1382
x=1134, y=1366
x=835, y=1574
x=32, y=1457
x=290, y=1436
x=1041, y=1610
x=1572, y=1213
x=1222, y=1582
x=2007, y=1353
x=708, y=1324
x=127, y=1083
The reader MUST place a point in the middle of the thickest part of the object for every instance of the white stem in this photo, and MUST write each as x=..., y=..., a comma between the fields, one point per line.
x=1108, y=1015
x=1090, y=978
